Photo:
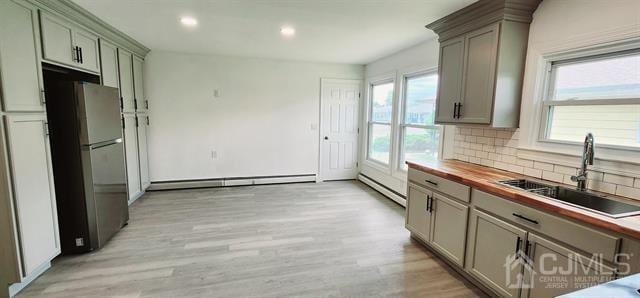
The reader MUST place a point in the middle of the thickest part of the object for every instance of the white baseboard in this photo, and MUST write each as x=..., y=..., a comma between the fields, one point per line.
x=221, y=182
x=383, y=190
x=15, y=288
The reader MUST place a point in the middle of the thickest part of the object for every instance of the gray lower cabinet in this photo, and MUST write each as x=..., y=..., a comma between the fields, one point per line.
x=143, y=125
x=449, y=227
x=20, y=58
x=492, y=248
x=33, y=190
x=439, y=221
x=557, y=269
x=131, y=156
x=68, y=44
x=418, y=219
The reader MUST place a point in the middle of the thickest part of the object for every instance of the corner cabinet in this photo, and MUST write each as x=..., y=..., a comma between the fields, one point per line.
x=482, y=60
x=67, y=44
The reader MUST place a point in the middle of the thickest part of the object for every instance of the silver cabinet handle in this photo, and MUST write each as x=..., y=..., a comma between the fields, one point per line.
x=431, y=182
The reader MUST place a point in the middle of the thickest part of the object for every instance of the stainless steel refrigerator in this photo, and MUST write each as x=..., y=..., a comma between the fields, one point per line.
x=88, y=162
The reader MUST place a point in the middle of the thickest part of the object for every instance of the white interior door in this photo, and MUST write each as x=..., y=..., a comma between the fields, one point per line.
x=339, y=132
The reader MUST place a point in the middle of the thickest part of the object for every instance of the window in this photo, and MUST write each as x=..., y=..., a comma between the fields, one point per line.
x=380, y=115
x=598, y=94
x=420, y=136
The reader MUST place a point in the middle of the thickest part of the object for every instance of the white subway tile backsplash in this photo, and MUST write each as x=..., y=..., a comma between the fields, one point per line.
x=533, y=172
x=497, y=148
x=599, y=185
x=552, y=176
x=617, y=179
x=543, y=166
x=629, y=192
x=565, y=170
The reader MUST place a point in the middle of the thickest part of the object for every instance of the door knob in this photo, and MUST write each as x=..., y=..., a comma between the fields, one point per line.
x=326, y=138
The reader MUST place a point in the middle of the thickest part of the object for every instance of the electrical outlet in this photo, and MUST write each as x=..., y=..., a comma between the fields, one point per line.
x=216, y=93
x=79, y=241
x=214, y=154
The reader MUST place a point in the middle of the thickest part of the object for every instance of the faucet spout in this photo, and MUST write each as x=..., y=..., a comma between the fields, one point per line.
x=587, y=159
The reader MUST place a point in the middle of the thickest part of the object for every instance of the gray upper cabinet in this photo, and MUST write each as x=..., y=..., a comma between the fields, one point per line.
x=67, y=44
x=21, y=87
x=449, y=89
x=479, y=72
x=482, y=57
x=109, y=62
x=125, y=70
x=141, y=103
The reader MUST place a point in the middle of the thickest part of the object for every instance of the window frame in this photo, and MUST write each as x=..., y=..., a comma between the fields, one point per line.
x=549, y=84
x=402, y=125
x=370, y=122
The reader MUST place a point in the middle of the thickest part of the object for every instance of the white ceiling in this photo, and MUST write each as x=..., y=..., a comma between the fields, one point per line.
x=341, y=31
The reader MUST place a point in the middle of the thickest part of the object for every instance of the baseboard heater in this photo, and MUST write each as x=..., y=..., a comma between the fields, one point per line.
x=387, y=192
x=230, y=181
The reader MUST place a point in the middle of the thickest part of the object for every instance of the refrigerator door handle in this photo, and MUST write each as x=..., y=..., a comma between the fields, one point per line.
x=103, y=144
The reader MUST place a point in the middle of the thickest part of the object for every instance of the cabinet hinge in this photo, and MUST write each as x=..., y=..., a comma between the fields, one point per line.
x=356, y=164
x=359, y=95
x=43, y=99
x=45, y=127
x=147, y=120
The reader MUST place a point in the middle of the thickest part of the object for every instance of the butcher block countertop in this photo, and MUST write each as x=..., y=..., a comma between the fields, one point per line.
x=485, y=179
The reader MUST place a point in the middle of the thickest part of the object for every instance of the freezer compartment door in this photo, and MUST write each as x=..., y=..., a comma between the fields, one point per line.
x=98, y=112
x=109, y=183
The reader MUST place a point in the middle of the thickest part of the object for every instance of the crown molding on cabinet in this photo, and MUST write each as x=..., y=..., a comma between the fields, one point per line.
x=483, y=13
x=85, y=18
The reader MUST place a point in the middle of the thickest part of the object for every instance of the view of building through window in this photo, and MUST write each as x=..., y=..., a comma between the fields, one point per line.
x=600, y=95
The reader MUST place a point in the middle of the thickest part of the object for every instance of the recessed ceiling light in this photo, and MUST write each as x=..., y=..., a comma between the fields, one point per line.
x=189, y=21
x=288, y=31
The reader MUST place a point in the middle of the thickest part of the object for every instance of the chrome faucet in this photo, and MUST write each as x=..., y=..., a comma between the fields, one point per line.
x=587, y=159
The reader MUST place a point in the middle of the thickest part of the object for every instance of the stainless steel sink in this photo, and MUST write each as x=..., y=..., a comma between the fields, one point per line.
x=582, y=199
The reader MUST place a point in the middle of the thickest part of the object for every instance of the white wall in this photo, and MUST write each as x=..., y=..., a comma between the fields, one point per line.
x=419, y=57
x=264, y=122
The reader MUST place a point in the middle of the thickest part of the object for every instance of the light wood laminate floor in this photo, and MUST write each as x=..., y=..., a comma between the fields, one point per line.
x=334, y=239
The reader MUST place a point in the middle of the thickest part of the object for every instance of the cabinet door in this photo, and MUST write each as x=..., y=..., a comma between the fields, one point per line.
x=125, y=72
x=131, y=155
x=449, y=227
x=57, y=40
x=32, y=178
x=558, y=270
x=450, y=79
x=143, y=121
x=418, y=218
x=20, y=73
x=481, y=52
x=109, y=63
x=141, y=102
x=88, y=44
x=491, y=254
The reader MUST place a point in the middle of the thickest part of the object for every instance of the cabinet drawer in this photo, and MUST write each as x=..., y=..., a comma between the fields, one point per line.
x=578, y=236
x=450, y=188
